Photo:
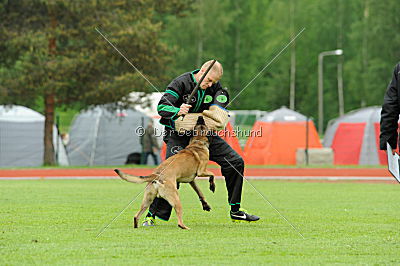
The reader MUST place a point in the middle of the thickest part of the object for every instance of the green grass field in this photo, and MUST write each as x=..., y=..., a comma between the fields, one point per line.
x=56, y=222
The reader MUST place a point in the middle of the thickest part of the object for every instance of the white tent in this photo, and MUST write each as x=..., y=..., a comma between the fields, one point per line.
x=22, y=138
x=101, y=137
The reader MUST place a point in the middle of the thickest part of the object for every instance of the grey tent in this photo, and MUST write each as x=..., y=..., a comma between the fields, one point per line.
x=22, y=138
x=354, y=137
x=102, y=137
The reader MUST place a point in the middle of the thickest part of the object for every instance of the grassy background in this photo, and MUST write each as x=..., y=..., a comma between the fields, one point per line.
x=56, y=221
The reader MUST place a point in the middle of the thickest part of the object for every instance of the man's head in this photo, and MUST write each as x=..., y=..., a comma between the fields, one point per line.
x=213, y=76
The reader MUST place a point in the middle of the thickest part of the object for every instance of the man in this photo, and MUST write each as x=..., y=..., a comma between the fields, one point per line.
x=150, y=145
x=390, y=112
x=171, y=107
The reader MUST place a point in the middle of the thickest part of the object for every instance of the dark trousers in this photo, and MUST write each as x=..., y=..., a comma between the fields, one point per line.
x=220, y=152
x=146, y=155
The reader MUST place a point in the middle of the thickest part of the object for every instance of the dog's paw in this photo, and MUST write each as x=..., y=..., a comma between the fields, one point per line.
x=206, y=207
x=212, y=187
x=182, y=226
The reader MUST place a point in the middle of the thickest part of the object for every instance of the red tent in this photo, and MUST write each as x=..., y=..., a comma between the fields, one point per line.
x=282, y=132
x=354, y=138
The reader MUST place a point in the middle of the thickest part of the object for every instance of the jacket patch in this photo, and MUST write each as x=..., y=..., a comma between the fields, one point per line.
x=176, y=149
x=186, y=97
x=208, y=99
x=222, y=98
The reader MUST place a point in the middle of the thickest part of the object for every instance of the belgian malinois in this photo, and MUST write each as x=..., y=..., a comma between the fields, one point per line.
x=182, y=167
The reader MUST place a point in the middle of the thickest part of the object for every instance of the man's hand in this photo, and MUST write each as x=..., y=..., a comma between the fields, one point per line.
x=184, y=109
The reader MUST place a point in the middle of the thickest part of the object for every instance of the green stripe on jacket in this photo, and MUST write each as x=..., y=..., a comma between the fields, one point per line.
x=167, y=108
x=176, y=95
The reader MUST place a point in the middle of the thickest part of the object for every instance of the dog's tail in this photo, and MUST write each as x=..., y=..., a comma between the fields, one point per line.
x=134, y=179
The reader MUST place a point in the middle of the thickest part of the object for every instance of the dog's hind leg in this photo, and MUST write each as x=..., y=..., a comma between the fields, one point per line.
x=170, y=193
x=212, y=183
x=203, y=201
x=149, y=194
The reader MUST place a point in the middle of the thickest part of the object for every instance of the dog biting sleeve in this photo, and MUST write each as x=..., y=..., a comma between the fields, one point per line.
x=188, y=122
x=218, y=117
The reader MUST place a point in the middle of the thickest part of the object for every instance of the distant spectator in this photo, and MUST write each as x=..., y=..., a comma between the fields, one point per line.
x=65, y=138
x=150, y=144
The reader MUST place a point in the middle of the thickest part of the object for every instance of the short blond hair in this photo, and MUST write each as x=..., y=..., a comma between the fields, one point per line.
x=216, y=69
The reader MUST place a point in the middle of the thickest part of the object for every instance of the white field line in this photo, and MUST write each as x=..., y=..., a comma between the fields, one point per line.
x=330, y=178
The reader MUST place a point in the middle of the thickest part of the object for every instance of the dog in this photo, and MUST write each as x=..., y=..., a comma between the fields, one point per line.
x=182, y=167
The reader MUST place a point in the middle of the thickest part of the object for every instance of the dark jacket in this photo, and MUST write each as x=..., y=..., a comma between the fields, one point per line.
x=178, y=92
x=390, y=112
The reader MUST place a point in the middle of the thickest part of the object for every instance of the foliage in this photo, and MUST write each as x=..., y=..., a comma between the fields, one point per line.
x=85, y=69
x=51, y=55
x=262, y=29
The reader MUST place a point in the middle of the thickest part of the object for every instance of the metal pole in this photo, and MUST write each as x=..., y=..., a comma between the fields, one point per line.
x=307, y=130
x=95, y=135
x=321, y=87
x=142, y=142
x=58, y=138
x=320, y=94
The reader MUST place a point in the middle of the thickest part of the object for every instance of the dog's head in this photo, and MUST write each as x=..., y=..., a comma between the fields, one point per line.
x=200, y=131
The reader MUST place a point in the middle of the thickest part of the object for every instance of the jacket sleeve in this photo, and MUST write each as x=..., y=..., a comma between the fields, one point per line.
x=168, y=106
x=390, y=113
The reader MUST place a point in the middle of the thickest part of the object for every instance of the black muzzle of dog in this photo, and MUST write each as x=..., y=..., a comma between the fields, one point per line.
x=200, y=121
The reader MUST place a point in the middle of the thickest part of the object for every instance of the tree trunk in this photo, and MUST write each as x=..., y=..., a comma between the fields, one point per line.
x=236, y=64
x=200, y=33
x=49, y=99
x=48, y=128
x=365, y=54
x=340, y=58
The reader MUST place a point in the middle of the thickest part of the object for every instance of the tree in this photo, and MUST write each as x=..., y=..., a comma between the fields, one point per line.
x=52, y=56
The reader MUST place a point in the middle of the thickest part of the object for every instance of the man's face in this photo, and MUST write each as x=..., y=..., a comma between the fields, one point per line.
x=209, y=80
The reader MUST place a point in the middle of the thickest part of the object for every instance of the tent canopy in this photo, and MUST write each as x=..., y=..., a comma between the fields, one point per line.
x=22, y=138
x=283, y=114
x=354, y=137
x=282, y=132
x=102, y=137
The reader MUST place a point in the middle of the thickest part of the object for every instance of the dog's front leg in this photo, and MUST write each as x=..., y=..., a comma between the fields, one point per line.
x=203, y=172
x=203, y=201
